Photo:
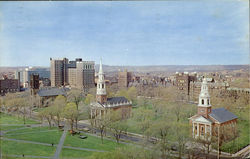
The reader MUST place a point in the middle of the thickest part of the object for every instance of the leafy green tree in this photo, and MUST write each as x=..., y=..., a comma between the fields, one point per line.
x=117, y=125
x=89, y=98
x=57, y=107
x=132, y=94
x=182, y=136
x=144, y=117
x=102, y=122
x=122, y=93
x=161, y=131
x=47, y=113
x=70, y=113
x=75, y=96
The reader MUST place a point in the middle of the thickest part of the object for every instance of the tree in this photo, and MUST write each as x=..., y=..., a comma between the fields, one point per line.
x=161, y=130
x=70, y=113
x=206, y=142
x=132, y=94
x=144, y=116
x=102, y=122
x=122, y=93
x=181, y=131
x=57, y=108
x=22, y=104
x=221, y=135
x=89, y=98
x=75, y=96
x=117, y=124
x=47, y=113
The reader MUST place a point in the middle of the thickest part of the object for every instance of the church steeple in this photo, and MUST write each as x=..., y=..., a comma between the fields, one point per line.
x=101, y=95
x=204, y=106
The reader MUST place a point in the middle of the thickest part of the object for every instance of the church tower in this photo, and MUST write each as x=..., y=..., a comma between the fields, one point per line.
x=204, y=106
x=101, y=95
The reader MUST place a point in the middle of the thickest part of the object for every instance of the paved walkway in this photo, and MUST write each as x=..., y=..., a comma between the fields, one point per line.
x=60, y=145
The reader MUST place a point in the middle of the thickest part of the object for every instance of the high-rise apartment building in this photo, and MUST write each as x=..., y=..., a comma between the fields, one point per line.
x=78, y=73
x=124, y=77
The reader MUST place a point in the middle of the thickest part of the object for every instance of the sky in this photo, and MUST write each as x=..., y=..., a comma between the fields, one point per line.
x=125, y=33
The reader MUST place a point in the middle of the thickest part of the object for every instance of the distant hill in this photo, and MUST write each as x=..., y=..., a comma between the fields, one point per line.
x=175, y=68
x=159, y=68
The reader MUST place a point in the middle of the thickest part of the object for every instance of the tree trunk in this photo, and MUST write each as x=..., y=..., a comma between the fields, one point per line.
x=76, y=123
x=24, y=119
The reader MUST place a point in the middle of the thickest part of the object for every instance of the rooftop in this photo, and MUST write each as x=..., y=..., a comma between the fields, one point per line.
x=222, y=115
x=52, y=92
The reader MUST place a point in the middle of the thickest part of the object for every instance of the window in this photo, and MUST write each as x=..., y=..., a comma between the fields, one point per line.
x=202, y=101
x=208, y=101
x=102, y=85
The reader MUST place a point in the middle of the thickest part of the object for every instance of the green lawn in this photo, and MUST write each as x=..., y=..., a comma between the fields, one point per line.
x=37, y=134
x=18, y=148
x=68, y=153
x=9, y=127
x=10, y=119
x=91, y=142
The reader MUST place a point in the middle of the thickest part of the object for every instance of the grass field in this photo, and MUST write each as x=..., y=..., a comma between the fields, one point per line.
x=46, y=135
x=67, y=154
x=9, y=119
x=16, y=148
x=38, y=134
x=91, y=142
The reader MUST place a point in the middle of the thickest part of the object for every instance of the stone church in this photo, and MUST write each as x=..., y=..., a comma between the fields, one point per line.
x=103, y=104
x=207, y=122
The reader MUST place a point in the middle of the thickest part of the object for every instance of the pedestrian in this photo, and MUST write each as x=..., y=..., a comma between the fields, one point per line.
x=23, y=155
x=52, y=144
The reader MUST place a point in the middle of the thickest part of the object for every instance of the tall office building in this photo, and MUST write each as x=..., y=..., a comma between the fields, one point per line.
x=79, y=74
x=58, y=72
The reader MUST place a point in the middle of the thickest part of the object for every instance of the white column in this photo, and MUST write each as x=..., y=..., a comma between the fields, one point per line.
x=90, y=113
x=198, y=130
x=193, y=130
x=205, y=130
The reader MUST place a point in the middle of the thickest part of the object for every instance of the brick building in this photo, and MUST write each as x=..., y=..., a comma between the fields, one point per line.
x=9, y=86
x=34, y=83
x=103, y=104
x=124, y=77
x=183, y=81
x=207, y=122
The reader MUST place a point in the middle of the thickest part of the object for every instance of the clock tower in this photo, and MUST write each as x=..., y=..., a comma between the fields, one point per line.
x=204, y=106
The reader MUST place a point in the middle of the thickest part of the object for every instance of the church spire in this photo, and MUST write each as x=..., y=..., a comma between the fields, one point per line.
x=204, y=106
x=204, y=97
x=101, y=94
x=100, y=67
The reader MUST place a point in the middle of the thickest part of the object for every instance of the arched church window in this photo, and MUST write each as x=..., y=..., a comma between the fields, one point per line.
x=102, y=85
x=202, y=101
x=208, y=101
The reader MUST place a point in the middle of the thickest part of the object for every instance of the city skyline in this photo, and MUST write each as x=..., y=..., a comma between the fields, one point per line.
x=125, y=33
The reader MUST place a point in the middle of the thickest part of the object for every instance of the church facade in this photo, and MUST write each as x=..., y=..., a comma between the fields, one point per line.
x=208, y=122
x=103, y=105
